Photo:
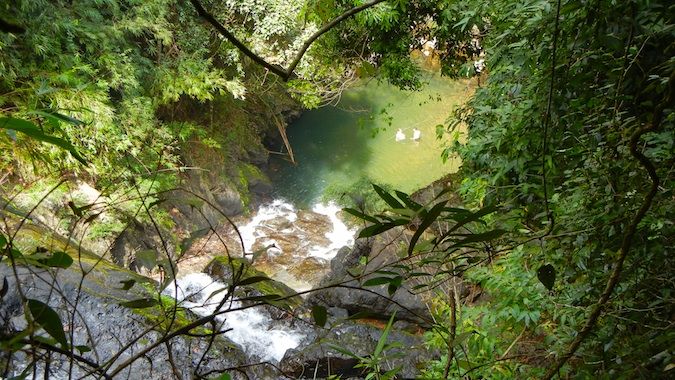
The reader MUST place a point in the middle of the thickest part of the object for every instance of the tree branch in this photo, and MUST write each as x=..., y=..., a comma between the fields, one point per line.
x=284, y=73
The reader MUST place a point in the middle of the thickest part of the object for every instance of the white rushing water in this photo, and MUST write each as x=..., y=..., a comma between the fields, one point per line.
x=339, y=236
x=280, y=216
x=252, y=329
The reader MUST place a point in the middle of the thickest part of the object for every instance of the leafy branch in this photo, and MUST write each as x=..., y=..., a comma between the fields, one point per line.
x=283, y=73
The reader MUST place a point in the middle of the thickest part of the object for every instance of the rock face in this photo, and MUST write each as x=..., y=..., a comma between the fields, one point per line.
x=321, y=359
x=104, y=326
x=374, y=300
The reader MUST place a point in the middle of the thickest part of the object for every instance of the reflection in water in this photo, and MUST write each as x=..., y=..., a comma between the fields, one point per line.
x=338, y=146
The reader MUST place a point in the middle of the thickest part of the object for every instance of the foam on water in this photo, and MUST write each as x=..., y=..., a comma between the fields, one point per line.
x=269, y=215
x=339, y=236
x=252, y=330
x=277, y=209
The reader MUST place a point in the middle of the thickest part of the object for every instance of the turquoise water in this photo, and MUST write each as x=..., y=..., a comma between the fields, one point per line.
x=336, y=147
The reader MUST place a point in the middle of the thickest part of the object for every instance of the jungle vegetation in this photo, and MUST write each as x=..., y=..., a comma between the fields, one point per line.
x=568, y=162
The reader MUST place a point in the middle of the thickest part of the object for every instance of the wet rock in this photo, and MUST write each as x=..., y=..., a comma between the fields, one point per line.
x=106, y=327
x=222, y=267
x=321, y=359
x=374, y=300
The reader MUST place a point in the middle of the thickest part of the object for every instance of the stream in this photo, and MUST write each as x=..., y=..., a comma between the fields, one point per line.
x=342, y=149
x=338, y=149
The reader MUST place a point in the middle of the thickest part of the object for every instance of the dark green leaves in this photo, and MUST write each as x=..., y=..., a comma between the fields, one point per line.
x=388, y=198
x=252, y=280
x=319, y=315
x=127, y=284
x=31, y=130
x=57, y=260
x=546, y=274
x=45, y=317
x=429, y=218
x=141, y=303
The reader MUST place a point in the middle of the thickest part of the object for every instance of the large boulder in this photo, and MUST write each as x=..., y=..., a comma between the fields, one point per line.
x=335, y=352
x=89, y=298
x=342, y=287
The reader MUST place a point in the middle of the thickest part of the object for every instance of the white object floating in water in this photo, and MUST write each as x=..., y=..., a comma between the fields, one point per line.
x=416, y=134
x=251, y=329
x=400, y=136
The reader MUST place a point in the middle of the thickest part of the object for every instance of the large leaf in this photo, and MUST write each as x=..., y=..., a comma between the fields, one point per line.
x=378, y=281
x=32, y=131
x=388, y=198
x=377, y=229
x=383, y=337
x=408, y=202
x=253, y=280
x=319, y=315
x=360, y=215
x=57, y=260
x=48, y=319
x=429, y=218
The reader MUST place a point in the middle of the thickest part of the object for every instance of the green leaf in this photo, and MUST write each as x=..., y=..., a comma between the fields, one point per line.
x=57, y=260
x=484, y=236
x=141, y=303
x=429, y=218
x=48, y=319
x=388, y=198
x=378, y=281
x=224, y=376
x=127, y=284
x=546, y=275
x=319, y=315
x=83, y=349
x=468, y=219
x=377, y=229
x=52, y=114
x=32, y=131
x=253, y=280
x=360, y=215
x=409, y=203
x=383, y=337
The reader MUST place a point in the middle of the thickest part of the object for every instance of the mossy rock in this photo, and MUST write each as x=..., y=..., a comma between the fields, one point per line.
x=223, y=268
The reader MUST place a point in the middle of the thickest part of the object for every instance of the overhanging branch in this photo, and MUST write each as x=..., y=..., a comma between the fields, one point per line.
x=284, y=73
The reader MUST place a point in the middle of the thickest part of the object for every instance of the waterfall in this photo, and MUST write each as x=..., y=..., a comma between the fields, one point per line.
x=252, y=329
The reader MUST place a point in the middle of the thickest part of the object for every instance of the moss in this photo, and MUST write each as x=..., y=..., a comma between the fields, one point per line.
x=221, y=266
x=169, y=316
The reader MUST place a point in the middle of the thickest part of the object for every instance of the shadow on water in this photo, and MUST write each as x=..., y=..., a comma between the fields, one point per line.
x=336, y=147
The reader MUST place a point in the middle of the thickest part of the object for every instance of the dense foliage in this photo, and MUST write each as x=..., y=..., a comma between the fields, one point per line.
x=557, y=137
x=571, y=138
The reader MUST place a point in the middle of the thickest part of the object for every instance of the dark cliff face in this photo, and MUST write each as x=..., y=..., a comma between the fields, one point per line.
x=92, y=317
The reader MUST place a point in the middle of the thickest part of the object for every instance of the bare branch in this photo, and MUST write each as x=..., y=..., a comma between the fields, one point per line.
x=283, y=73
